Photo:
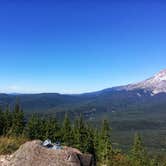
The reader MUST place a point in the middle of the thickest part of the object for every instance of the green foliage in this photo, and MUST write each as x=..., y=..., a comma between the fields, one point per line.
x=42, y=128
x=138, y=154
x=79, y=134
x=125, y=109
x=17, y=121
x=7, y=120
x=33, y=128
x=1, y=122
x=67, y=132
x=51, y=129
x=105, y=151
x=83, y=136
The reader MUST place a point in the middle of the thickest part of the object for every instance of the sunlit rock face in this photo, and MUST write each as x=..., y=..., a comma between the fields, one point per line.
x=34, y=154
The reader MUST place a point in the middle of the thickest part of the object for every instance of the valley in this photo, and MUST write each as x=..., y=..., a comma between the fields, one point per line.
x=129, y=109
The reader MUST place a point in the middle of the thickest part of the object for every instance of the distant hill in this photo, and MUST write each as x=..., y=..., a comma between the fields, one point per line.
x=148, y=95
x=136, y=107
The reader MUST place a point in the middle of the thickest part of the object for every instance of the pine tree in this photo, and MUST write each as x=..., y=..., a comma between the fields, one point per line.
x=105, y=146
x=33, y=128
x=17, y=121
x=67, y=132
x=51, y=129
x=1, y=121
x=83, y=136
x=79, y=133
x=138, y=153
x=90, y=142
x=7, y=120
x=96, y=141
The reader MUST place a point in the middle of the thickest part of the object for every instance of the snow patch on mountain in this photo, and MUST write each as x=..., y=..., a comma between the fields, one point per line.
x=155, y=84
x=138, y=94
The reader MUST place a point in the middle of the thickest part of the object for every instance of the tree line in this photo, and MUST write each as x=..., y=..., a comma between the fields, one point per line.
x=78, y=134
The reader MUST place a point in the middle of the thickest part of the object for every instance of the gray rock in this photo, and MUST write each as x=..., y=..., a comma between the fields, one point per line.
x=34, y=154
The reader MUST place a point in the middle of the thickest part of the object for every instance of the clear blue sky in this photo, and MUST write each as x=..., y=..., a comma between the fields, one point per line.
x=74, y=46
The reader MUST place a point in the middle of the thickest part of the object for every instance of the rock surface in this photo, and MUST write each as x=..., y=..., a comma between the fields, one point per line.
x=33, y=154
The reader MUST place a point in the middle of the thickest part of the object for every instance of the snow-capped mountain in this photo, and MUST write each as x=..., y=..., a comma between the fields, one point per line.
x=155, y=84
x=146, y=95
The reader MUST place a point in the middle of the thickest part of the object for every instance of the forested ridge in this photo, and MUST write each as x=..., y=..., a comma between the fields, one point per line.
x=78, y=134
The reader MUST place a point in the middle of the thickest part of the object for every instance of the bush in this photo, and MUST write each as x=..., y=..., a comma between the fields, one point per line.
x=10, y=145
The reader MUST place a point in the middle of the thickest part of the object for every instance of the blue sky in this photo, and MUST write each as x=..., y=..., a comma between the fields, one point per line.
x=75, y=46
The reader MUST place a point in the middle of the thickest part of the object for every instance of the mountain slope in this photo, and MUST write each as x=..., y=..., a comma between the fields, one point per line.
x=146, y=95
x=155, y=84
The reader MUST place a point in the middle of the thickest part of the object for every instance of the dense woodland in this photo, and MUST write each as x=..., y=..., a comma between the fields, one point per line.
x=125, y=111
x=78, y=134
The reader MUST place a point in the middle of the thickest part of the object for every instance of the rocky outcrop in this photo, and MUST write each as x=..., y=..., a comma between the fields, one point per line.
x=34, y=154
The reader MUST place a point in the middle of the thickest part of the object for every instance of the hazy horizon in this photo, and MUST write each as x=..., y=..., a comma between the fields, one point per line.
x=69, y=93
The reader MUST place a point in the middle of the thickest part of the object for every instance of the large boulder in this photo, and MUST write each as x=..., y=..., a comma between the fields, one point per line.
x=34, y=154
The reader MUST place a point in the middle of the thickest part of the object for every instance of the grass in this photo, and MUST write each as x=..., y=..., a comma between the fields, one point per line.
x=9, y=145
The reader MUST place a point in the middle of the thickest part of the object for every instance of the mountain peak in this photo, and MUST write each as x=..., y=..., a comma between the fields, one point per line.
x=155, y=84
x=161, y=76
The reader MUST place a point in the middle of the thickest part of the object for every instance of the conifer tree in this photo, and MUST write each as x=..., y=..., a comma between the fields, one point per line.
x=138, y=153
x=7, y=120
x=1, y=121
x=105, y=147
x=79, y=133
x=52, y=130
x=33, y=128
x=83, y=136
x=96, y=140
x=67, y=132
x=90, y=143
x=17, y=121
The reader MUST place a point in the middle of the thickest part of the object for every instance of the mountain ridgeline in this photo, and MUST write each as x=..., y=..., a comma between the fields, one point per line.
x=139, y=107
x=148, y=95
